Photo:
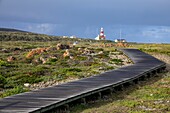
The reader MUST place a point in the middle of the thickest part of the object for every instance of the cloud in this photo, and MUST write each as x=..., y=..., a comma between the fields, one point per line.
x=87, y=12
x=91, y=31
x=43, y=28
x=156, y=33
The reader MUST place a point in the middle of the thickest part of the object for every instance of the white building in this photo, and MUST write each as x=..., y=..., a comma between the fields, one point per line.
x=73, y=36
x=120, y=40
x=97, y=38
x=65, y=37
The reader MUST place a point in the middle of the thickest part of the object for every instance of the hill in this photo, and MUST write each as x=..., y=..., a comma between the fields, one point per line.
x=18, y=35
x=10, y=30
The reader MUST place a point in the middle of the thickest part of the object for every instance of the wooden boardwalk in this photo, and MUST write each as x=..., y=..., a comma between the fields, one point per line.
x=49, y=98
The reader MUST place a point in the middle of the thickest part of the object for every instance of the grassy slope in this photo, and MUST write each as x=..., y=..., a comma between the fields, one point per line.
x=152, y=96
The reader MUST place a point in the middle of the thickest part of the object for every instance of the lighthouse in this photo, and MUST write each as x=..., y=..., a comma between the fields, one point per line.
x=101, y=36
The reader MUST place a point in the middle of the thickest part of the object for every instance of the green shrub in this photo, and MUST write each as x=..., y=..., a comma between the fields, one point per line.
x=101, y=56
x=3, y=63
x=2, y=81
x=63, y=63
x=116, y=61
x=26, y=79
x=52, y=59
x=100, y=49
x=16, y=90
x=109, y=68
x=38, y=71
x=81, y=58
x=74, y=69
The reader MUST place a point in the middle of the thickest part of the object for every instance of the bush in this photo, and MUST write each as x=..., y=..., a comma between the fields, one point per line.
x=105, y=55
x=3, y=63
x=116, y=61
x=63, y=63
x=100, y=49
x=81, y=58
x=74, y=69
x=38, y=71
x=52, y=59
x=16, y=90
x=2, y=81
x=26, y=79
x=109, y=68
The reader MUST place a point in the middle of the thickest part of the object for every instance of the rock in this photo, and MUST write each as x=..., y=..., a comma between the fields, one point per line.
x=5, y=50
x=80, y=50
x=66, y=53
x=62, y=46
x=36, y=61
x=101, y=52
x=44, y=60
x=101, y=68
x=87, y=51
x=50, y=49
x=15, y=49
x=35, y=51
x=75, y=43
x=26, y=84
x=11, y=59
x=71, y=57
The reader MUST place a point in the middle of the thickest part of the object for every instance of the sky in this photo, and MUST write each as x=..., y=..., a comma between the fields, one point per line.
x=145, y=21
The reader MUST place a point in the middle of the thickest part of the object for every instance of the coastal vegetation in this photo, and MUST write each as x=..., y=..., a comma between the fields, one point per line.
x=31, y=61
x=150, y=96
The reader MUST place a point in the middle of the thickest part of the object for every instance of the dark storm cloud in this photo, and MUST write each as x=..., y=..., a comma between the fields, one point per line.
x=87, y=12
x=140, y=20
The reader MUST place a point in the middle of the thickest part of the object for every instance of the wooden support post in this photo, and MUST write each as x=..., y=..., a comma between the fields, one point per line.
x=100, y=96
x=111, y=91
x=142, y=78
x=158, y=70
x=146, y=77
x=136, y=81
x=67, y=107
x=83, y=101
x=132, y=83
x=121, y=87
x=150, y=75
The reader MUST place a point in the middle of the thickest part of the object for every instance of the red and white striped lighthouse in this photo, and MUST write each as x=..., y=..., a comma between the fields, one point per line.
x=102, y=36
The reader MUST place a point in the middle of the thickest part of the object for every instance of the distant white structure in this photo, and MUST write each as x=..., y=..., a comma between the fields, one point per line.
x=75, y=43
x=101, y=36
x=65, y=37
x=73, y=36
x=120, y=40
x=97, y=38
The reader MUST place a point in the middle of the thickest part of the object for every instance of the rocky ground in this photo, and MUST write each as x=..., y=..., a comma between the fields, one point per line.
x=115, y=55
x=26, y=66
